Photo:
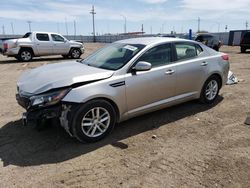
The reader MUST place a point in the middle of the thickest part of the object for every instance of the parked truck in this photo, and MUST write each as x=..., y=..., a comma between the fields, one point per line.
x=34, y=44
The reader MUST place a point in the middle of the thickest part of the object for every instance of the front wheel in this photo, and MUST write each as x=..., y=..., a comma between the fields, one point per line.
x=93, y=121
x=210, y=90
x=75, y=53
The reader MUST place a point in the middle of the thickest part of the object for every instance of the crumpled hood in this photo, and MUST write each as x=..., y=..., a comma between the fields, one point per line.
x=59, y=75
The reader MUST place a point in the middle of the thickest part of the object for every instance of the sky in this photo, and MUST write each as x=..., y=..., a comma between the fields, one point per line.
x=157, y=16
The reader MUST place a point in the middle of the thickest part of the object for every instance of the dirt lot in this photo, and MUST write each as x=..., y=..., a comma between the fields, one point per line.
x=195, y=145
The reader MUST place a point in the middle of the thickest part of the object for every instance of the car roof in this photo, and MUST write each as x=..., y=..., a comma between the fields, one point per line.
x=151, y=40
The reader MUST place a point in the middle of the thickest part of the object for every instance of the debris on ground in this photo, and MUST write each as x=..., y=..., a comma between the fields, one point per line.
x=247, y=122
x=232, y=79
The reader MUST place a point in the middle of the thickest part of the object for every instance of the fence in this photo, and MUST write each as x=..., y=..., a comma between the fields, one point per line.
x=224, y=37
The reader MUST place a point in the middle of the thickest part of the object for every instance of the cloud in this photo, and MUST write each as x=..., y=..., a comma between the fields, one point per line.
x=154, y=1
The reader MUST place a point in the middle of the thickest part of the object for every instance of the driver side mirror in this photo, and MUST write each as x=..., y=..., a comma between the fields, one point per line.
x=142, y=66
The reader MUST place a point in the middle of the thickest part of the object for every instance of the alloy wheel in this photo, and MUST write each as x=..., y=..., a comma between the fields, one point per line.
x=95, y=122
x=212, y=90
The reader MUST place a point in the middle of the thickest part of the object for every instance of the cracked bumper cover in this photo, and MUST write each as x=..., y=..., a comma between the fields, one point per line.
x=34, y=115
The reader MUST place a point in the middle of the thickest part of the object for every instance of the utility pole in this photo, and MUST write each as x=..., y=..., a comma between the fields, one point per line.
x=142, y=29
x=29, y=22
x=199, y=23
x=66, y=27
x=246, y=25
x=151, y=30
x=226, y=28
x=74, y=29
x=93, y=20
x=58, y=29
x=3, y=28
x=125, y=23
x=12, y=28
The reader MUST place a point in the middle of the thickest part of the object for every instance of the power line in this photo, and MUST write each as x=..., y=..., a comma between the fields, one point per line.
x=93, y=20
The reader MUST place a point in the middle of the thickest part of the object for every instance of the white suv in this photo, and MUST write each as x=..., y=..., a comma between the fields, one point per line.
x=41, y=44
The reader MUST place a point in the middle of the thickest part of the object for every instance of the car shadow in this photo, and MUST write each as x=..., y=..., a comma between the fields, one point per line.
x=36, y=59
x=24, y=146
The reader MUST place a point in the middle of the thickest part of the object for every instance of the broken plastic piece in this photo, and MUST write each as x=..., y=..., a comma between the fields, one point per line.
x=247, y=122
x=231, y=79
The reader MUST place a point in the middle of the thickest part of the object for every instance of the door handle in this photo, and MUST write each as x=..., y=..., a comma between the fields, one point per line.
x=37, y=44
x=204, y=63
x=169, y=72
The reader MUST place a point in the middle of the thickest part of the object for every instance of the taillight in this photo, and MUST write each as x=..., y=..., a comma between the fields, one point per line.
x=225, y=57
x=5, y=46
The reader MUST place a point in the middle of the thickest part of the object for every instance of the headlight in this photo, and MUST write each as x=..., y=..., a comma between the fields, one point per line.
x=48, y=98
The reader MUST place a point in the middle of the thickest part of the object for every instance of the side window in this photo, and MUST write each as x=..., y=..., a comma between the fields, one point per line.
x=57, y=38
x=157, y=56
x=42, y=37
x=199, y=49
x=185, y=51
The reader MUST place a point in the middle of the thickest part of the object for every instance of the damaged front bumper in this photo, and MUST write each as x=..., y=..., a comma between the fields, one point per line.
x=38, y=116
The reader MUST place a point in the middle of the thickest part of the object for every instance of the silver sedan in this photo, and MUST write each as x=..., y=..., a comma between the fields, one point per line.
x=120, y=81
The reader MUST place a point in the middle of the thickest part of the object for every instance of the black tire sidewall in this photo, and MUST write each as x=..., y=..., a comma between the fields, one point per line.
x=72, y=52
x=24, y=50
x=203, y=97
x=77, y=118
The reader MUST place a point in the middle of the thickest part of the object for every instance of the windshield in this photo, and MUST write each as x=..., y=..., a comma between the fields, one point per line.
x=113, y=56
x=27, y=35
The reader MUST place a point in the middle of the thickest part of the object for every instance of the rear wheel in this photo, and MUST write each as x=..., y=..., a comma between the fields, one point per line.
x=210, y=90
x=243, y=50
x=75, y=53
x=93, y=121
x=25, y=55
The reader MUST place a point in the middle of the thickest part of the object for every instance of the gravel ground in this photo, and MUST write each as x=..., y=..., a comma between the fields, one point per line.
x=189, y=145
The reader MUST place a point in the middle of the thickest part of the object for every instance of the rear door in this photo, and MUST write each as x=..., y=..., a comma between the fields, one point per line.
x=43, y=44
x=60, y=44
x=149, y=89
x=191, y=68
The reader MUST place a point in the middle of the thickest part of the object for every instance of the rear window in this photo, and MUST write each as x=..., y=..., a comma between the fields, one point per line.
x=185, y=51
x=27, y=35
x=42, y=37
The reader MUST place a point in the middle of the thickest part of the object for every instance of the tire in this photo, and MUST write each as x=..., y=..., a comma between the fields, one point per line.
x=25, y=55
x=216, y=48
x=87, y=126
x=243, y=50
x=75, y=53
x=65, y=56
x=210, y=90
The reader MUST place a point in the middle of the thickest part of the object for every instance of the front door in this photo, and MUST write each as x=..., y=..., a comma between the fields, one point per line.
x=60, y=45
x=148, y=89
